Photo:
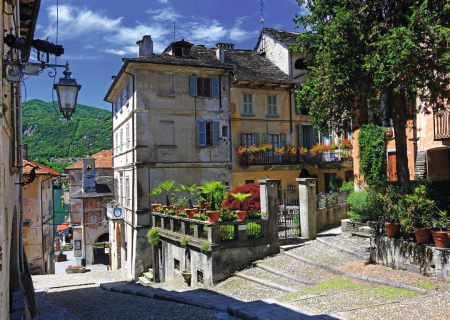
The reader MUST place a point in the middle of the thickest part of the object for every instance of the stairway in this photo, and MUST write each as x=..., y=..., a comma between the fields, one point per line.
x=147, y=278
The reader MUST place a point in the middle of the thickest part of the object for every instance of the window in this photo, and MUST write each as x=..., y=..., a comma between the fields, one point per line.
x=300, y=64
x=225, y=131
x=248, y=139
x=116, y=140
x=208, y=133
x=167, y=133
x=271, y=105
x=247, y=103
x=121, y=190
x=127, y=136
x=121, y=140
x=127, y=191
x=307, y=136
x=204, y=87
x=165, y=84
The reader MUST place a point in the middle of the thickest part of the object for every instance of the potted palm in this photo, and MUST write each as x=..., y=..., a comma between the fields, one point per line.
x=155, y=193
x=214, y=193
x=391, y=207
x=239, y=196
x=191, y=191
x=167, y=186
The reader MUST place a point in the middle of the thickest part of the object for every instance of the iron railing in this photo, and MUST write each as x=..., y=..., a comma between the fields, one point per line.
x=441, y=125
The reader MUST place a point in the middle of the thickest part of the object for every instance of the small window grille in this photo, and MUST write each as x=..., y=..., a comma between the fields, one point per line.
x=200, y=276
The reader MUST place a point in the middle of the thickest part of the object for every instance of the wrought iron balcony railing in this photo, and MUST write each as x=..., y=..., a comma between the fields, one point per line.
x=269, y=158
x=442, y=125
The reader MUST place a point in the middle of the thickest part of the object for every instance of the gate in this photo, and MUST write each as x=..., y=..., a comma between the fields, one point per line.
x=288, y=212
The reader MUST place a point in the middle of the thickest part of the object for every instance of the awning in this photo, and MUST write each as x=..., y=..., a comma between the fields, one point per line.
x=63, y=226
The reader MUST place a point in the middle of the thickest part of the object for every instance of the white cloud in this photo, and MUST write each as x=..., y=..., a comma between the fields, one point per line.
x=166, y=14
x=163, y=1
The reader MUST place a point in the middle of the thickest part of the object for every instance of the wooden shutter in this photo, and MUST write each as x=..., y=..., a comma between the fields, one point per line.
x=242, y=138
x=282, y=139
x=256, y=138
x=193, y=85
x=316, y=136
x=300, y=142
x=265, y=137
x=215, y=88
x=215, y=133
x=202, y=133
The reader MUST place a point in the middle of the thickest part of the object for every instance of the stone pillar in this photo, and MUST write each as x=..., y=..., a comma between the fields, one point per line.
x=307, y=199
x=272, y=186
x=263, y=198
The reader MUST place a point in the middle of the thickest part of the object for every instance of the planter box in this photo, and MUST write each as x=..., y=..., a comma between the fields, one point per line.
x=76, y=270
x=60, y=258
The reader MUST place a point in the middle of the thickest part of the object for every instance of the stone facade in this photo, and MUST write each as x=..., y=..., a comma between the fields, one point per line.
x=171, y=121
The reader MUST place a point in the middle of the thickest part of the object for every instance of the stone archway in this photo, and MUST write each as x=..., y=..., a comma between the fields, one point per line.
x=101, y=250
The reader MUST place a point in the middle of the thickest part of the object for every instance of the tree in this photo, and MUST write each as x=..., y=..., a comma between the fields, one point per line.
x=360, y=52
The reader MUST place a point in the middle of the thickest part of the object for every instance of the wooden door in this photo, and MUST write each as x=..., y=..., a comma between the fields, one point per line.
x=392, y=166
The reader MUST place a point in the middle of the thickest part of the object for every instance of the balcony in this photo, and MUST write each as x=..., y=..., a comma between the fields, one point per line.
x=268, y=158
x=442, y=125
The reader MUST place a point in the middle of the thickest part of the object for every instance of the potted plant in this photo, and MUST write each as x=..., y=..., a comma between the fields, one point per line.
x=167, y=186
x=416, y=214
x=303, y=151
x=239, y=196
x=191, y=191
x=391, y=207
x=214, y=193
x=279, y=151
x=155, y=193
x=439, y=231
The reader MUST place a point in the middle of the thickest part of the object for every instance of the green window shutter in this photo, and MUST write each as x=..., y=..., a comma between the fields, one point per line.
x=250, y=103
x=215, y=87
x=202, y=133
x=316, y=136
x=215, y=133
x=300, y=142
x=256, y=138
x=242, y=138
x=283, y=139
x=193, y=85
x=265, y=137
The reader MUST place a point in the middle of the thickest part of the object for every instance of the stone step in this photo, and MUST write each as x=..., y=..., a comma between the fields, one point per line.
x=148, y=276
x=143, y=281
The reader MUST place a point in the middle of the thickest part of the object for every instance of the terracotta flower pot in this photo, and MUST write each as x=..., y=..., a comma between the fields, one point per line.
x=190, y=213
x=213, y=216
x=422, y=235
x=440, y=238
x=392, y=229
x=241, y=215
x=155, y=207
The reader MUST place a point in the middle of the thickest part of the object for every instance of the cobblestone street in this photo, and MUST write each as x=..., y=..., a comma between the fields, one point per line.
x=328, y=278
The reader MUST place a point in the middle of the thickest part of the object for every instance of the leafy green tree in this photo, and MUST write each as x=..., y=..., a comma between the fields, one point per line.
x=360, y=51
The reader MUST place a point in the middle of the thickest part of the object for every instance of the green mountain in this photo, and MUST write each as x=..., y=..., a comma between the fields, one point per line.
x=49, y=136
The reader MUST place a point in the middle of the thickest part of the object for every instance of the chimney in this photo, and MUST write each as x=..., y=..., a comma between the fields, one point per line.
x=220, y=52
x=145, y=46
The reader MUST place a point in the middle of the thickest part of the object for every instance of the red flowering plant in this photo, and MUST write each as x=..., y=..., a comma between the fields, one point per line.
x=252, y=203
x=279, y=151
x=303, y=151
x=291, y=150
x=318, y=148
x=267, y=146
x=346, y=144
x=241, y=150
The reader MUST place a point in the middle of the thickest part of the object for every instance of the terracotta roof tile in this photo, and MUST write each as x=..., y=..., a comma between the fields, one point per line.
x=28, y=166
x=103, y=159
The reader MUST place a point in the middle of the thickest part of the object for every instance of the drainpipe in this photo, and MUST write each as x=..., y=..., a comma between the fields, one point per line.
x=133, y=231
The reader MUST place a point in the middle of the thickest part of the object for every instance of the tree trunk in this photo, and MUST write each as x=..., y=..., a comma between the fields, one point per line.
x=397, y=105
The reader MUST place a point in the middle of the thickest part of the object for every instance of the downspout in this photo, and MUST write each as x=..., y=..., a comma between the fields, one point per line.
x=42, y=226
x=290, y=109
x=133, y=232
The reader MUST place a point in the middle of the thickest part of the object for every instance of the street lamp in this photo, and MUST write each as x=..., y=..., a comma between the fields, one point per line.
x=67, y=91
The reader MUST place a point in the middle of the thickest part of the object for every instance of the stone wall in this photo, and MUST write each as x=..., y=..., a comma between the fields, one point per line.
x=407, y=255
x=331, y=217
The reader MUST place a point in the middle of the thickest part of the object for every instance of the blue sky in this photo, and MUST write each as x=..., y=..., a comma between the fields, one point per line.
x=97, y=34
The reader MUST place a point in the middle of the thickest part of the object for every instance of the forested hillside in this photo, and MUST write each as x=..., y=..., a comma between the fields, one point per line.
x=48, y=134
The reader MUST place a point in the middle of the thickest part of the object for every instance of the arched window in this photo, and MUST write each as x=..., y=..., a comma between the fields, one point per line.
x=300, y=64
x=88, y=170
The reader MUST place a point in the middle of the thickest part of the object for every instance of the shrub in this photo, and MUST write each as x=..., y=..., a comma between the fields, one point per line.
x=153, y=236
x=200, y=216
x=184, y=242
x=254, y=215
x=252, y=203
x=228, y=216
x=253, y=230
x=357, y=202
x=205, y=247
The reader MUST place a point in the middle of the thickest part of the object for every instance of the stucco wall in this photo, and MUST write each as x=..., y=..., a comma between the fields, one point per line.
x=331, y=217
